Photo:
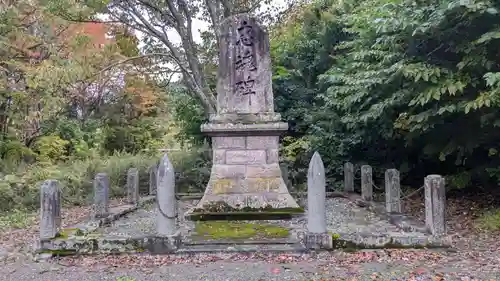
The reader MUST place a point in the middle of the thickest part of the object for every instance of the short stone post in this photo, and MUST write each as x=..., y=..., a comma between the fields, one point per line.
x=50, y=209
x=153, y=170
x=366, y=183
x=392, y=191
x=316, y=236
x=316, y=195
x=348, y=177
x=133, y=186
x=435, y=204
x=166, y=204
x=101, y=196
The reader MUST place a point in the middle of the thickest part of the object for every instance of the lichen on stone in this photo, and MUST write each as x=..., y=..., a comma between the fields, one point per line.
x=239, y=230
x=223, y=207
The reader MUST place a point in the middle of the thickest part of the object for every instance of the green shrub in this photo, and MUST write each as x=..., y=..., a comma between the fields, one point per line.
x=20, y=190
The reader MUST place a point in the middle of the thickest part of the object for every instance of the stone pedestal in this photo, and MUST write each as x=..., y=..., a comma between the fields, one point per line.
x=246, y=175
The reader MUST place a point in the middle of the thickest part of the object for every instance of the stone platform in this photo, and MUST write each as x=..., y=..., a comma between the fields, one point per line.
x=349, y=225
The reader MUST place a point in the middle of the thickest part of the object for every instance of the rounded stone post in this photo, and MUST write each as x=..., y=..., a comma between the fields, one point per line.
x=366, y=183
x=101, y=196
x=316, y=196
x=435, y=204
x=392, y=191
x=166, y=204
x=133, y=186
x=348, y=177
x=50, y=209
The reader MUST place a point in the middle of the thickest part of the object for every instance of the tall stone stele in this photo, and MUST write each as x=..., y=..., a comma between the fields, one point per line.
x=245, y=131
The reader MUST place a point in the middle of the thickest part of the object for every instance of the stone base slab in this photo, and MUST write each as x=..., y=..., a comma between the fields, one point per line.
x=259, y=200
x=177, y=245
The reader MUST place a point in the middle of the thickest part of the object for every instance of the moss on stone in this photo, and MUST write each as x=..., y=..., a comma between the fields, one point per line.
x=60, y=252
x=335, y=236
x=66, y=232
x=239, y=230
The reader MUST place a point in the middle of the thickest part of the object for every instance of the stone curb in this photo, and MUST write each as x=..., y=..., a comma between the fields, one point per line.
x=87, y=228
x=370, y=241
x=174, y=244
x=400, y=220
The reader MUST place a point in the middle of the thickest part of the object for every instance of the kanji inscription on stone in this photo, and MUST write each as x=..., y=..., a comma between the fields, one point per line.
x=245, y=87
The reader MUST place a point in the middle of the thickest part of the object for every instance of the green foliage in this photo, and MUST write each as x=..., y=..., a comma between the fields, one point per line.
x=192, y=168
x=188, y=115
x=50, y=148
x=400, y=87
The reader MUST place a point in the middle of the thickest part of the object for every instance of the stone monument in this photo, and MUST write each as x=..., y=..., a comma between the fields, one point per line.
x=246, y=176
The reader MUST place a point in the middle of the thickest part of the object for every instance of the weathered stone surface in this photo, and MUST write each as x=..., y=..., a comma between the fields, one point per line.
x=229, y=142
x=368, y=240
x=153, y=171
x=250, y=118
x=273, y=156
x=133, y=186
x=93, y=245
x=252, y=200
x=50, y=209
x=237, y=129
x=101, y=196
x=263, y=171
x=245, y=130
x=392, y=191
x=263, y=184
x=244, y=77
x=366, y=183
x=246, y=157
x=316, y=195
x=219, y=156
x=262, y=142
x=286, y=176
x=348, y=177
x=227, y=186
x=166, y=205
x=228, y=171
x=435, y=205
x=315, y=240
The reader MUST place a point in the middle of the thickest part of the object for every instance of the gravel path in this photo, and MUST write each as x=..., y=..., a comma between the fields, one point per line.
x=369, y=265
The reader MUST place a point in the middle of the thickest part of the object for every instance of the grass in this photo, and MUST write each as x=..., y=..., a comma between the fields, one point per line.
x=490, y=220
x=238, y=230
x=16, y=219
